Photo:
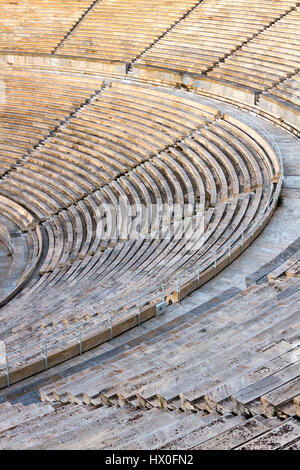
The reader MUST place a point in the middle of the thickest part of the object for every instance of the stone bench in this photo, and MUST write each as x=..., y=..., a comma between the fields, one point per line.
x=38, y=33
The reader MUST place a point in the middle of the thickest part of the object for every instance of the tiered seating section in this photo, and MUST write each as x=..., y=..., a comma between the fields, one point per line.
x=38, y=26
x=169, y=151
x=123, y=30
x=33, y=105
x=225, y=379
x=106, y=140
x=288, y=91
x=214, y=30
x=71, y=147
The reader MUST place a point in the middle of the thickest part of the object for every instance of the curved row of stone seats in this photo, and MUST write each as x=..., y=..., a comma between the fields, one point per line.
x=283, y=102
x=267, y=59
x=84, y=267
x=7, y=250
x=284, y=264
x=122, y=30
x=25, y=245
x=242, y=391
x=38, y=26
x=5, y=238
x=100, y=144
x=34, y=104
x=211, y=32
x=232, y=210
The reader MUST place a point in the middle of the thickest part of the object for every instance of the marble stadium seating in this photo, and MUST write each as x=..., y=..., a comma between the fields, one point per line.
x=172, y=107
